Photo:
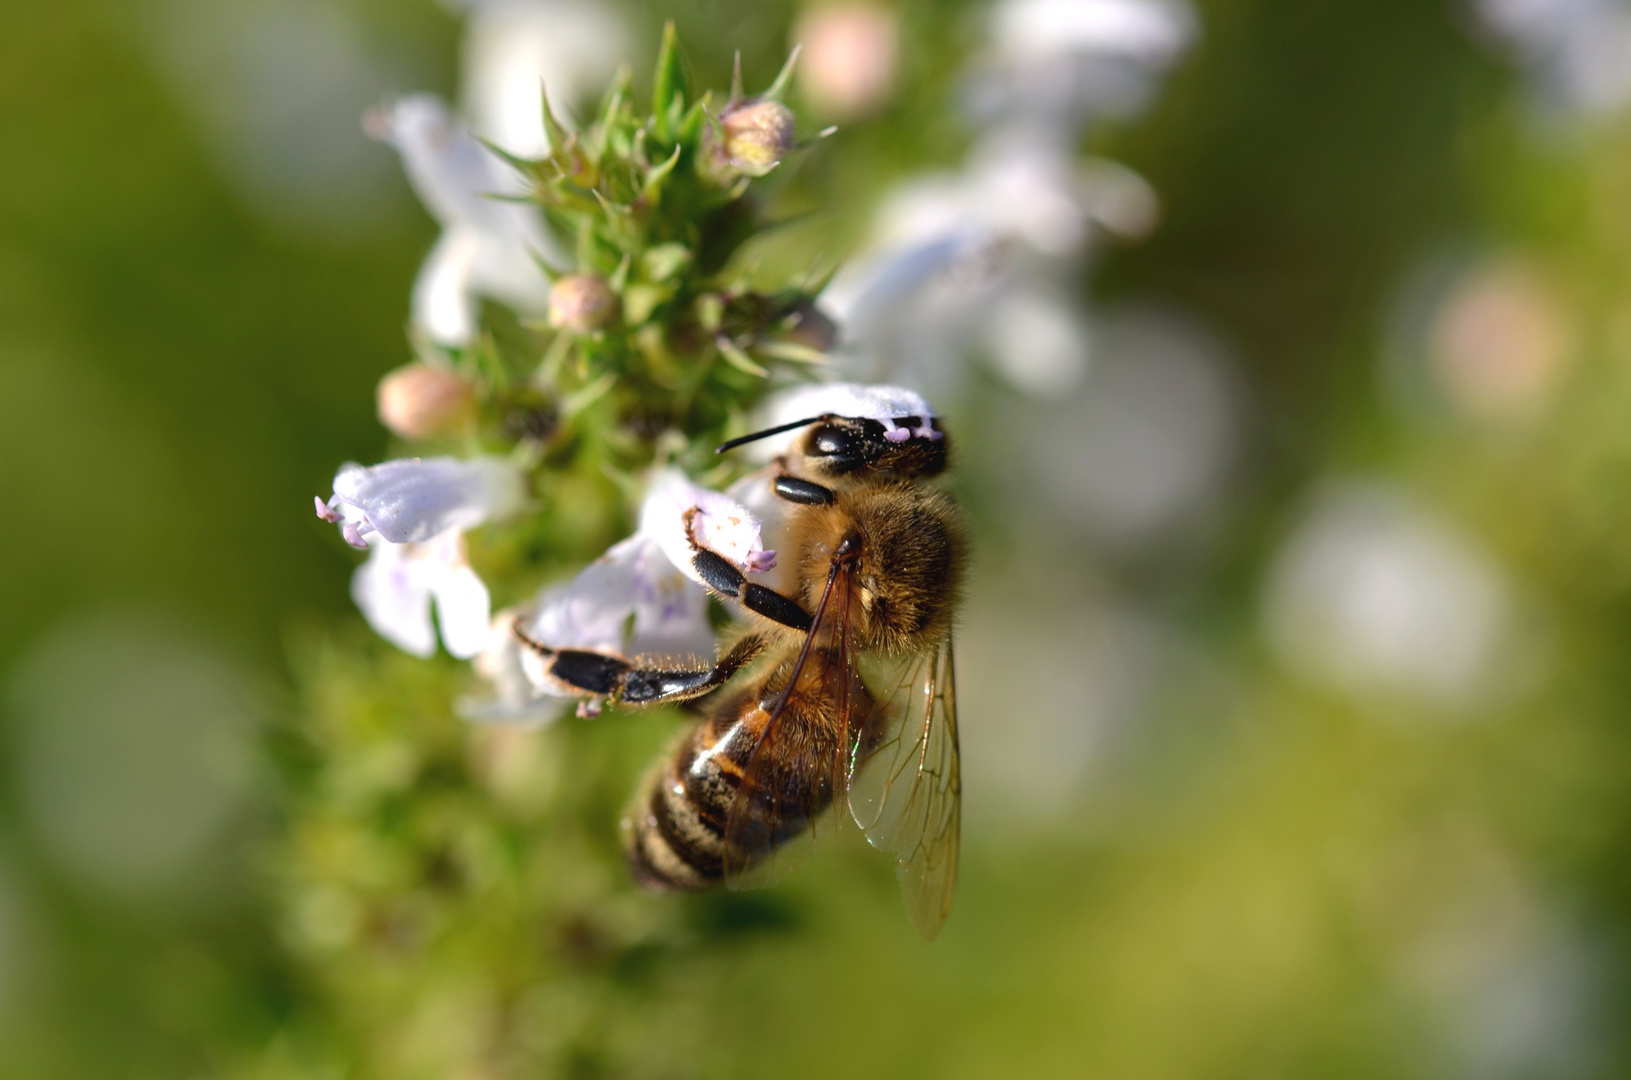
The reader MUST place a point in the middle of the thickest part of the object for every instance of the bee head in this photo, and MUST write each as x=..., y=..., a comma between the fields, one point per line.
x=835, y=446
x=842, y=445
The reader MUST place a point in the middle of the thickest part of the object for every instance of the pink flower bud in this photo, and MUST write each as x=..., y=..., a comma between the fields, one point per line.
x=418, y=400
x=847, y=66
x=581, y=304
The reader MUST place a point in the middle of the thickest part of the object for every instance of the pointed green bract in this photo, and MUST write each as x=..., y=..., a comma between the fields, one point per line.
x=671, y=84
x=778, y=86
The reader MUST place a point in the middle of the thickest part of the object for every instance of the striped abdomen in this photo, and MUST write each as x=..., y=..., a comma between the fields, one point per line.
x=675, y=835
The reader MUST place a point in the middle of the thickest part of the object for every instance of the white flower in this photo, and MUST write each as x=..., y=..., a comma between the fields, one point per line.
x=1578, y=50
x=416, y=499
x=1375, y=597
x=490, y=244
x=571, y=48
x=394, y=590
x=412, y=515
x=1059, y=62
x=675, y=506
x=643, y=597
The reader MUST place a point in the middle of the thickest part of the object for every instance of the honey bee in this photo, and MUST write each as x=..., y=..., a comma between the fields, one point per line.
x=853, y=694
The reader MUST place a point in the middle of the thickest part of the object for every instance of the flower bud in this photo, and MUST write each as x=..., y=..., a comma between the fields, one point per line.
x=752, y=137
x=581, y=304
x=420, y=400
x=850, y=54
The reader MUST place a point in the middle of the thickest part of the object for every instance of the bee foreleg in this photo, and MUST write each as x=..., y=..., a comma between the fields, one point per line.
x=724, y=578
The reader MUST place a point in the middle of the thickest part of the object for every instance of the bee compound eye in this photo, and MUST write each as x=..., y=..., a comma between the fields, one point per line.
x=830, y=440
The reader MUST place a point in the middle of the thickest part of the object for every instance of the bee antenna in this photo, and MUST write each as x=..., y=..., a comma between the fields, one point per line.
x=766, y=433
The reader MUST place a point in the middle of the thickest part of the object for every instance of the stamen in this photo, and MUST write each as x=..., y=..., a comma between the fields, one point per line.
x=354, y=533
x=325, y=511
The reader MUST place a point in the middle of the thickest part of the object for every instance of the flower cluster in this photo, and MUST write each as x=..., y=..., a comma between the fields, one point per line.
x=584, y=339
x=989, y=257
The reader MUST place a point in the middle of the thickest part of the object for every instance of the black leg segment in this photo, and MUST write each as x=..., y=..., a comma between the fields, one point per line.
x=593, y=672
x=803, y=492
x=642, y=686
x=718, y=572
x=773, y=605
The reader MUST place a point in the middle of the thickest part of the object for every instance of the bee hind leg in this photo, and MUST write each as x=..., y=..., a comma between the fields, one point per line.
x=625, y=682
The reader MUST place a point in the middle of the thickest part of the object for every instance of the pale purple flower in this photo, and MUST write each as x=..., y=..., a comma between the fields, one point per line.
x=490, y=244
x=415, y=499
x=411, y=515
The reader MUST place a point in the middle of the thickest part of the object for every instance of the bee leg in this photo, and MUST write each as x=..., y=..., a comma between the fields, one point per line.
x=797, y=490
x=623, y=682
x=724, y=578
x=590, y=672
x=644, y=686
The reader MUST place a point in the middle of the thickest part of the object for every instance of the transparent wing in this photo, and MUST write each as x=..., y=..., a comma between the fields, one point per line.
x=905, y=791
x=799, y=765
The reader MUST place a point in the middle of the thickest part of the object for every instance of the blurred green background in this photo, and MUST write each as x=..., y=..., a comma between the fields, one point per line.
x=1199, y=843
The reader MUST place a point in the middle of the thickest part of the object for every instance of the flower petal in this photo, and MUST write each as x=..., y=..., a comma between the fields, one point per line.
x=570, y=47
x=464, y=611
x=410, y=499
x=444, y=306
x=394, y=599
x=716, y=521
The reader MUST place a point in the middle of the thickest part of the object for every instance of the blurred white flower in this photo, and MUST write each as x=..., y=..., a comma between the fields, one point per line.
x=1060, y=63
x=1038, y=339
x=982, y=257
x=848, y=58
x=516, y=49
x=395, y=588
x=1578, y=51
x=1141, y=449
x=1376, y=597
x=411, y=515
x=490, y=245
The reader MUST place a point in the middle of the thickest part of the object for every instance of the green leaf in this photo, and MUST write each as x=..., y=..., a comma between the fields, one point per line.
x=580, y=400
x=610, y=112
x=652, y=191
x=783, y=77
x=639, y=301
x=666, y=261
x=553, y=128
x=690, y=125
x=736, y=358
x=671, y=85
x=792, y=350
